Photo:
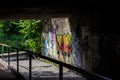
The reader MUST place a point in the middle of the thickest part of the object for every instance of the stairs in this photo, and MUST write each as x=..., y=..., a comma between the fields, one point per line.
x=22, y=56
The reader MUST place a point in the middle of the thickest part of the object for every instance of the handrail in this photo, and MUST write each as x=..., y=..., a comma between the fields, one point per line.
x=83, y=72
x=77, y=69
x=4, y=45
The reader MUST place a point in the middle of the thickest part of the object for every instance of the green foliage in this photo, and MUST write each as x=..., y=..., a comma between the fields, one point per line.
x=10, y=27
x=22, y=33
x=32, y=33
x=9, y=33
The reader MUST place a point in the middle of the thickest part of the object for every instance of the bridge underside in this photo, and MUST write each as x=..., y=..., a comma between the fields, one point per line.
x=24, y=9
x=96, y=15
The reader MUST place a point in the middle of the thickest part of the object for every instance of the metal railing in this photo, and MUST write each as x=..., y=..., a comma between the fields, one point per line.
x=84, y=73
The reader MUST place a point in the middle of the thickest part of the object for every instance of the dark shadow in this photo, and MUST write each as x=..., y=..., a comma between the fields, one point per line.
x=18, y=76
x=7, y=75
x=50, y=75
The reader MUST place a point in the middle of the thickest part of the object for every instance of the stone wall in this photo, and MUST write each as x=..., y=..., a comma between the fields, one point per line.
x=87, y=41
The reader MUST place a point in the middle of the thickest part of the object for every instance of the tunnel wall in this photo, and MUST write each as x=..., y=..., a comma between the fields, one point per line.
x=91, y=46
x=59, y=42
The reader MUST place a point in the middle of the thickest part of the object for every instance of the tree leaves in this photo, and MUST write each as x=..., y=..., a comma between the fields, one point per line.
x=22, y=32
x=32, y=30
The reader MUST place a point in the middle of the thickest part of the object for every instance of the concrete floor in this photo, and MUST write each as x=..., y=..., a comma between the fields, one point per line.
x=44, y=71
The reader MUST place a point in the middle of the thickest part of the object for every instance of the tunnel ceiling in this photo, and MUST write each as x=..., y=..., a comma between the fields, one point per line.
x=24, y=9
x=37, y=9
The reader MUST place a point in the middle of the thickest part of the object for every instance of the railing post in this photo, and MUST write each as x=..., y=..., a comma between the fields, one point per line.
x=60, y=72
x=17, y=61
x=30, y=65
x=8, y=50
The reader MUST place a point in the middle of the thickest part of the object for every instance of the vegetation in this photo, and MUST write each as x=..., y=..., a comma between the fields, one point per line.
x=31, y=29
x=22, y=33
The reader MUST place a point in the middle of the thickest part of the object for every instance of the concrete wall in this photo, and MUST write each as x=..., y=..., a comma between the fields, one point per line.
x=71, y=41
x=60, y=42
x=87, y=44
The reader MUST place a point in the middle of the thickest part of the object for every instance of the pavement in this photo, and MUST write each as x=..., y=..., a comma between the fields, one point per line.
x=44, y=71
x=41, y=70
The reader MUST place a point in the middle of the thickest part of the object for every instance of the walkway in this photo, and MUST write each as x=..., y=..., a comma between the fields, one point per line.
x=40, y=69
x=44, y=71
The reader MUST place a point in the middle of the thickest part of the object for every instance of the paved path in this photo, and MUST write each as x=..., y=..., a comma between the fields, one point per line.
x=44, y=71
x=22, y=55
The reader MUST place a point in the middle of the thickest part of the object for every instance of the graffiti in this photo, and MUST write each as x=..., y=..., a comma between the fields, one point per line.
x=67, y=43
x=45, y=42
x=52, y=44
x=64, y=47
x=64, y=42
x=59, y=42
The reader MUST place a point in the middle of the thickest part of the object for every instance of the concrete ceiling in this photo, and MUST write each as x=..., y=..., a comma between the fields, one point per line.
x=37, y=9
x=26, y=9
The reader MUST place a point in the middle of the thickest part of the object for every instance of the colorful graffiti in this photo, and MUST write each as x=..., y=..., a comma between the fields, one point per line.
x=45, y=42
x=59, y=42
x=64, y=43
x=56, y=42
x=67, y=43
x=52, y=44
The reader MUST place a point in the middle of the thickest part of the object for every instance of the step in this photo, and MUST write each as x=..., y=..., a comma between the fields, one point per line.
x=13, y=54
x=14, y=58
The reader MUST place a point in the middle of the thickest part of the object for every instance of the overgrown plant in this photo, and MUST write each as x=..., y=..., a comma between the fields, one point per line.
x=22, y=33
x=32, y=30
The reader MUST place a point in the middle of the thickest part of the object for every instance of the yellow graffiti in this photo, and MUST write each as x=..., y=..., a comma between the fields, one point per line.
x=66, y=43
x=66, y=38
x=59, y=39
